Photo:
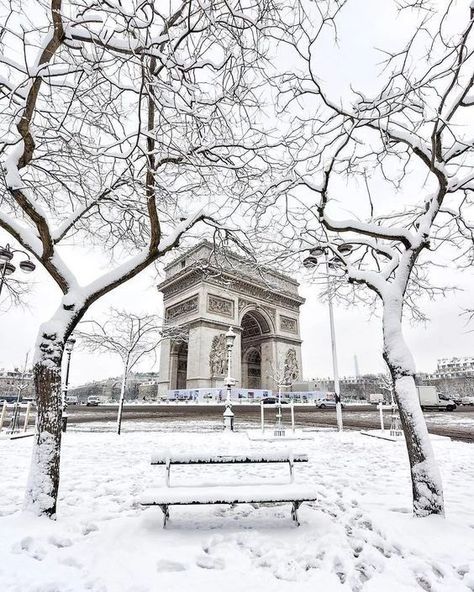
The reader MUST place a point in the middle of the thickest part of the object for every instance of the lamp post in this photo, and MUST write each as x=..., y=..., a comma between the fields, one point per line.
x=311, y=262
x=228, y=413
x=7, y=268
x=68, y=349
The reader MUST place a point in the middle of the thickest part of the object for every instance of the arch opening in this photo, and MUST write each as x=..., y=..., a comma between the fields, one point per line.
x=254, y=327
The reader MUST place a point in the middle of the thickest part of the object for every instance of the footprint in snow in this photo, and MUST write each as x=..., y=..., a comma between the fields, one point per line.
x=208, y=562
x=30, y=546
x=60, y=542
x=165, y=565
x=88, y=528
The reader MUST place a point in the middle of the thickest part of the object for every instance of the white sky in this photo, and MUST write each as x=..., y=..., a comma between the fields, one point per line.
x=367, y=25
x=357, y=334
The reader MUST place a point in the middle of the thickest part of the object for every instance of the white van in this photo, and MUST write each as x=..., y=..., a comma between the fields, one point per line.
x=72, y=400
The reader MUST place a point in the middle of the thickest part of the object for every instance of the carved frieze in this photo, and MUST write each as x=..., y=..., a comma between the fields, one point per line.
x=218, y=356
x=220, y=306
x=182, y=284
x=291, y=369
x=182, y=308
x=288, y=324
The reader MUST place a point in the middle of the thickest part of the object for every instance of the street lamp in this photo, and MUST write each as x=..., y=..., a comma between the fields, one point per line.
x=310, y=262
x=68, y=347
x=7, y=268
x=228, y=413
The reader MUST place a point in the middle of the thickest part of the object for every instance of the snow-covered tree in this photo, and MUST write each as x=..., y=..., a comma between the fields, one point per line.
x=383, y=180
x=131, y=336
x=119, y=122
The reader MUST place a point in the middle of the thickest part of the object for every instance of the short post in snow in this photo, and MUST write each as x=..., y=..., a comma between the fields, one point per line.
x=382, y=426
x=3, y=414
x=27, y=416
x=395, y=429
x=279, y=427
x=228, y=413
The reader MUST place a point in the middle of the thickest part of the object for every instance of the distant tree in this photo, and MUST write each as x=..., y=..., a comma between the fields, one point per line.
x=131, y=336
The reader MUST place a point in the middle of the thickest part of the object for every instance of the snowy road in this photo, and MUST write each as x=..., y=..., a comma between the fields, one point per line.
x=358, y=537
x=458, y=424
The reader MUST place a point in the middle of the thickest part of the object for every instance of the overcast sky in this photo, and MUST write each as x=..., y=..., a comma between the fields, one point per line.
x=362, y=28
x=357, y=334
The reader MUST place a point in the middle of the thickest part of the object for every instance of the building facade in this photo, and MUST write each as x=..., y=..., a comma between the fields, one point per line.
x=205, y=292
x=142, y=386
x=16, y=381
x=453, y=377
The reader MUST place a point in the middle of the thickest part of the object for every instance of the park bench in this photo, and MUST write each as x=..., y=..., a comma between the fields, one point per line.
x=229, y=494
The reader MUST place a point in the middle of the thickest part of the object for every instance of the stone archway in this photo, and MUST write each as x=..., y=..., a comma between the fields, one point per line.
x=206, y=291
x=252, y=368
x=178, y=365
x=255, y=330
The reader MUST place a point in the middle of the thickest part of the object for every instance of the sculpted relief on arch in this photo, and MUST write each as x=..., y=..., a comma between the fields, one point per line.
x=217, y=356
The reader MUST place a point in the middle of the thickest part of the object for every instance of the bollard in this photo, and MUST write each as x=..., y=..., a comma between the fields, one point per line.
x=262, y=418
x=228, y=420
x=381, y=417
x=64, y=422
x=27, y=416
x=2, y=416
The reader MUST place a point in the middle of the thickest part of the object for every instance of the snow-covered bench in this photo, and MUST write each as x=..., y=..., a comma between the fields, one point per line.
x=228, y=494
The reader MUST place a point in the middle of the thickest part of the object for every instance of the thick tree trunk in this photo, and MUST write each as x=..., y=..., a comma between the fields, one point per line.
x=426, y=480
x=43, y=482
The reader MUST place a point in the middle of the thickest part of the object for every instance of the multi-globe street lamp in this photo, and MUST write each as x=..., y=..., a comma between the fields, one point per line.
x=6, y=266
x=229, y=382
x=311, y=262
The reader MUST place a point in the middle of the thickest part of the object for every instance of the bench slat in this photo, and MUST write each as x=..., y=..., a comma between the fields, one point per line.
x=229, y=494
x=163, y=458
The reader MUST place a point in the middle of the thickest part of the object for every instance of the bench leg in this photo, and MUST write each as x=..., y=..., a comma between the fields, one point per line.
x=166, y=514
x=294, y=512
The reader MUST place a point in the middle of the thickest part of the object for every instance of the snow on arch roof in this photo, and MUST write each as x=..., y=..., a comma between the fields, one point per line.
x=206, y=256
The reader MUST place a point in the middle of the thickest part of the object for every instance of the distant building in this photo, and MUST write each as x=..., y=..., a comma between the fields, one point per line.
x=12, y=381
x=453, y=376
x=455, y=367
x=140, y=386
x=356, y=387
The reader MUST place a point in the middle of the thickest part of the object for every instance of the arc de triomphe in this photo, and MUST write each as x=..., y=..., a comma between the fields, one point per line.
x=205, y=292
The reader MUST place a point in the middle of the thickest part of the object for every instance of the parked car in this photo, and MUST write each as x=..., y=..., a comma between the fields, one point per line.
x=327, y=404
x=273, y=401
x=92, y=401
x=72, y=400
x=469, y=400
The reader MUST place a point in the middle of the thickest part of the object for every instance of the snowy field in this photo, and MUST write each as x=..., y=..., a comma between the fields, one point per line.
x=359, y=535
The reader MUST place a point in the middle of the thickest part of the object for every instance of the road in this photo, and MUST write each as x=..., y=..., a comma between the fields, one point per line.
x=458, y=424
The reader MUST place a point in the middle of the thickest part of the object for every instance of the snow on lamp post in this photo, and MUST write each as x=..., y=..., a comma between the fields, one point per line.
x=68, y=349
x=228, y=413
x=311, y=262
x=6, y=255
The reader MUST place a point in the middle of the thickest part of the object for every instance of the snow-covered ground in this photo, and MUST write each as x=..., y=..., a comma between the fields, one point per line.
x=358, y=536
